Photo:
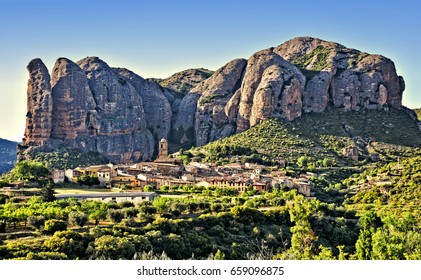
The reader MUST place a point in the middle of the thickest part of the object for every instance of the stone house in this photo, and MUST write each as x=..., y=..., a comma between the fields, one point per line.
x=72, y=175
x=105, y=176
x=57, y=176
x=122, y=180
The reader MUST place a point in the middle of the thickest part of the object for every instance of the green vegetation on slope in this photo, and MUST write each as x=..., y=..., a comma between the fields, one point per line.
x=393, y=188
x=68, y=158
x=319, y=136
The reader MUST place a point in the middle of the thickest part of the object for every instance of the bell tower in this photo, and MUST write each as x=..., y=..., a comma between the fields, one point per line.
x=163, y=148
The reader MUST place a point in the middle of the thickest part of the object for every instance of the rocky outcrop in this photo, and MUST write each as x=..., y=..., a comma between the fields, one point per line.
x=343, y=77
x=183, y=125
x=121, y=132
x=351, y=152
x=74, y=115
x=39, y=105
x=156, y=106
x=119, y=114
x=211, y=121
x=272, y=87
x=87, y=106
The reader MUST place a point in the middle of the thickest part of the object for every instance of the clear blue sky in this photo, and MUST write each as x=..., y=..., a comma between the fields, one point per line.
x=159, y=38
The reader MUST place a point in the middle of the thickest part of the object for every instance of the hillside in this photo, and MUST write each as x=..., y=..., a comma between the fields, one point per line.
x=321, y=135
x=7, y=155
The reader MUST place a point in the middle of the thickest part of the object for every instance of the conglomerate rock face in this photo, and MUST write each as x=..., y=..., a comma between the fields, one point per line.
x=39, y=105
x=211, y=122
x=272, y=87
x=113, y=111
x=343, y=77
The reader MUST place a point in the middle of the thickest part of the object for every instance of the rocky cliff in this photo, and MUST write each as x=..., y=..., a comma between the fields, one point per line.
x=113, y=111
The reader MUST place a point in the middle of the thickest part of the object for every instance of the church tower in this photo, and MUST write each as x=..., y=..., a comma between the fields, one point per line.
x=163, y=148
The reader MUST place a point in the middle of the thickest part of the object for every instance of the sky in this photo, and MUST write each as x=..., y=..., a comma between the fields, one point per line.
x=158, y=38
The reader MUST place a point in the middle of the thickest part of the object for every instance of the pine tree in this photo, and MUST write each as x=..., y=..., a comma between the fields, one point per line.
x=47, y=192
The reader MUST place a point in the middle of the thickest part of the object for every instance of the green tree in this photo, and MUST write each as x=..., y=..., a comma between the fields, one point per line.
x=115, y=215
x=148, y=188
x=78, y=218
x=29, y=170
x=71, y=243
x=130, y=212
x=303, y=238
x=364, y=244
x=302, y=161
x=36, y=221
x=88, y=180
x=53, y=225
x=147, y=209
x=98, y=215
x=108, y=247
x=47, y=191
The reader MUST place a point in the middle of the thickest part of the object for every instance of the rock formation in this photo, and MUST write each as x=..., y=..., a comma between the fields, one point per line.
x=121, y=132
x=211, y=121
x=117, y=113
x=39, y=105
x=343, y=77
x=156, y=106
x=73, y=112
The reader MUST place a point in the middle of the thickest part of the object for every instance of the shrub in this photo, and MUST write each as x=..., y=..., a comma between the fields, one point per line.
x=53, y=225
x=77, y=218
x=2, y=227
x=130, y=212
x=115, y=215
x=36, y=221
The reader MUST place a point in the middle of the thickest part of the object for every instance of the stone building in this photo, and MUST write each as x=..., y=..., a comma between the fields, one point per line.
x=163, y=149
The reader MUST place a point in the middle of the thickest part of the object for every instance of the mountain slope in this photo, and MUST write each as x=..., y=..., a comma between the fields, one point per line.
x=7, y=155
x=321, y=135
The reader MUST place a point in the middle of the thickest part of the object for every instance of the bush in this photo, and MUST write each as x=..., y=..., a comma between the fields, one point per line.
x=77, y=218
x=113, y=248
x=36, y=221
x=88, y=180
x=46, y=256
x=115, y=215
x=53, y=225
x=71, y=243
x=147, y=209
x=3, y=198
x=125, y=204
x=130, y=212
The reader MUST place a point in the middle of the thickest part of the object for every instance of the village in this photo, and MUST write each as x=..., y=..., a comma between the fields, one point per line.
x=168, y=172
